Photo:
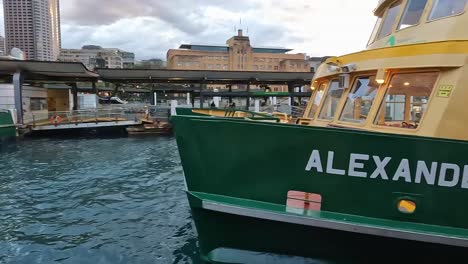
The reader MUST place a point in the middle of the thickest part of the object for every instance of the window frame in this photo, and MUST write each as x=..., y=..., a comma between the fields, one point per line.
x=370, y=114
x=384, y=17
x=375, y=31
x=433, y=5
x=325, y=82
x=385, y=89
x=338, y=107
x=422, y=18
x=41, y=104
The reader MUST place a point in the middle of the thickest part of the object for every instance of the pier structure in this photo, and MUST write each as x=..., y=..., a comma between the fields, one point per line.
x=67, y=79
x=197, y=81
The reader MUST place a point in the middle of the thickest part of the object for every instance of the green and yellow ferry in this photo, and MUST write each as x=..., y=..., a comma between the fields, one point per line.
x=376, y=168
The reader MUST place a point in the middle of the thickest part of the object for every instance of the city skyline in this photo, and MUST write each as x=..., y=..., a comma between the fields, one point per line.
x=297, y=24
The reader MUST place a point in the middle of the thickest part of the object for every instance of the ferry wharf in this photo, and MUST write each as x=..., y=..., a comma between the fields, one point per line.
x=61, y=114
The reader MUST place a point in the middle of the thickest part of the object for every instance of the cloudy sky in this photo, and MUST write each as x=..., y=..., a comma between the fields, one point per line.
x=151, y=27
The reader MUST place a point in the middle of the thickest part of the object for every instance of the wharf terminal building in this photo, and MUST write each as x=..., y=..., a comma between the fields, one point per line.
x=238, y=55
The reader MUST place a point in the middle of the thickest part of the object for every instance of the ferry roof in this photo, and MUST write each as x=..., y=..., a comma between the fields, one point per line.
x=41, y=70
x=381, y=6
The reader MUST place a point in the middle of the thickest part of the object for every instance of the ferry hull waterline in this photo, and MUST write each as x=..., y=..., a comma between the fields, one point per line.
x=321, y=192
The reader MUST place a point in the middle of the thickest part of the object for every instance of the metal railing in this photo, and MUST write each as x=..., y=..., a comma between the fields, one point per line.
x=96, y=115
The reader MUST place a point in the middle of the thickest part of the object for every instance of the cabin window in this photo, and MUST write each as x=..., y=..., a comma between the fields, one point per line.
x=412, y=14
x=376, y=29
x=331, y=101
x=317, y=98
x=406, y=100
x=445, y=8
x=360, y=100
x=389, y=21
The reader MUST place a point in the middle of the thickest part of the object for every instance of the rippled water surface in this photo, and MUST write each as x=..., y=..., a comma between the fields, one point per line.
x=94, y=201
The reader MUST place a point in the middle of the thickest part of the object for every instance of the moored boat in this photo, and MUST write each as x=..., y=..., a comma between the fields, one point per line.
x=7, y=126
x=376, y=166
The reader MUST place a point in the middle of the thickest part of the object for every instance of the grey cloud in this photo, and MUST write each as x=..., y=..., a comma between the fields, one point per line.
x=105, y=26
x=147, y=42
x=185, y=15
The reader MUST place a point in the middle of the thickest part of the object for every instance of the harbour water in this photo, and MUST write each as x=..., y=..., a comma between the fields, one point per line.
x=118, y=200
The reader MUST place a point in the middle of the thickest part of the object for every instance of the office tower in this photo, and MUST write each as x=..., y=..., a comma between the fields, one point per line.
x=34, y=27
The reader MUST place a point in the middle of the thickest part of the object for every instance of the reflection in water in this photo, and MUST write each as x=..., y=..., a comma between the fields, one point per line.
x=94, y=201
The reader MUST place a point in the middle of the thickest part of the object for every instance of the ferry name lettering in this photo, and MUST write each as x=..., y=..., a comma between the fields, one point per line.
x=434, y=173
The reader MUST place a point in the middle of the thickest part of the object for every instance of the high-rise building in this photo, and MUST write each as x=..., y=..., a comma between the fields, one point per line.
x=2, y=46
x=34, y=27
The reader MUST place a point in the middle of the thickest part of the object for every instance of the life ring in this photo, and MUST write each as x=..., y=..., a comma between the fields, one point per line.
x=56, y=119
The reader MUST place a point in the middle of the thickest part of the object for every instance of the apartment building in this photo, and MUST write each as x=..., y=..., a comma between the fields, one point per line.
x=93, y=56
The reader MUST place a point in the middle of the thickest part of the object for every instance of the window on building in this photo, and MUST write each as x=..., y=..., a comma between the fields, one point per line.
x=225, y=67
x=218, y=66
x=445, y=8
x=276, y=68
x=412, y=13
x=360, y=100
x=331, y=101
x=38, y=104
x=317, y=98
x=389, y=21
x=406, y=99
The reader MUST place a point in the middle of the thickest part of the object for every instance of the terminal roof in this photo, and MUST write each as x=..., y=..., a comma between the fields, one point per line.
x=50, y=71
x=204, y=77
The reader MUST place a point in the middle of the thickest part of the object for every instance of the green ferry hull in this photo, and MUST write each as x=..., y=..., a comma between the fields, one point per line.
x=233, y=238
x=7, y=127
x=238, y=174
